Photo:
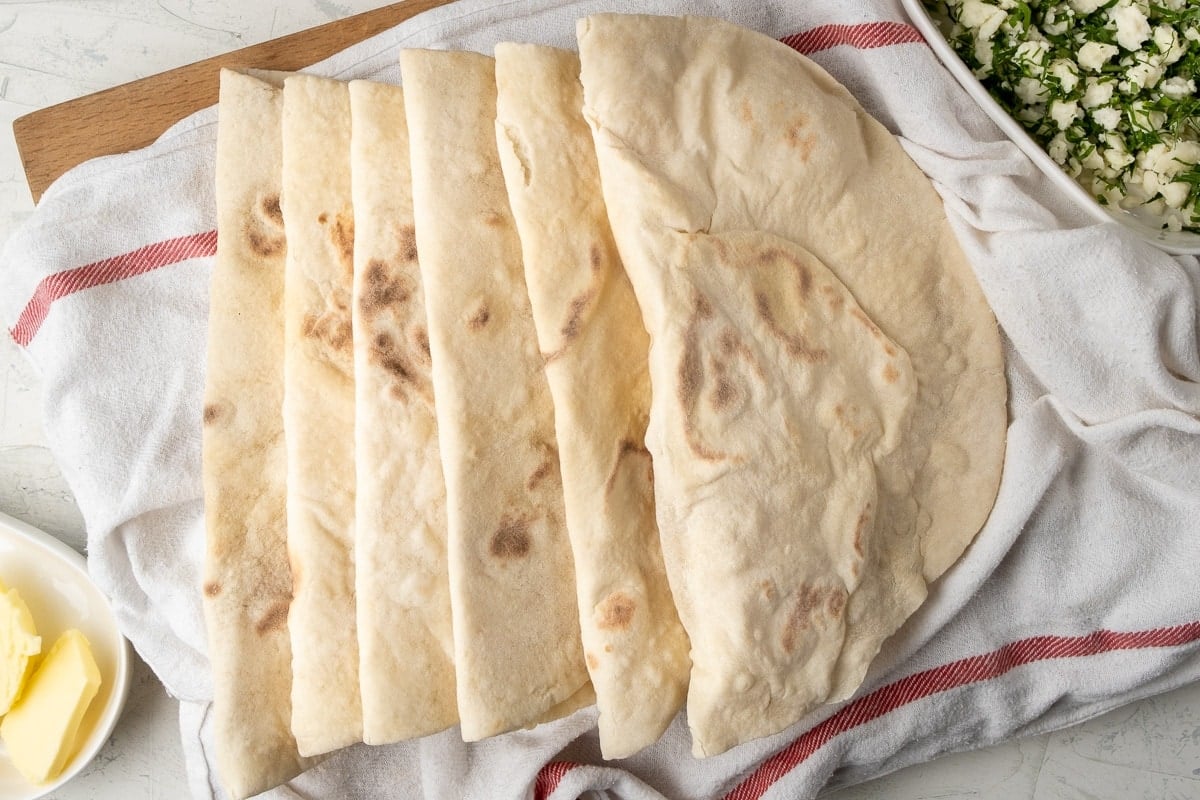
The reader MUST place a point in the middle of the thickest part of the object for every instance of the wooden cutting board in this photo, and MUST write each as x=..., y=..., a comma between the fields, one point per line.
x=55, y=139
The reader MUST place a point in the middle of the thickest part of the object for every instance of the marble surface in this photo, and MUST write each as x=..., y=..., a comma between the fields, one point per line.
x=53, y=50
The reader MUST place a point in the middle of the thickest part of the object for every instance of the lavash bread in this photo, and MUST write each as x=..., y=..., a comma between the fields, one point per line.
x=243, y=457
x=595, y=349
x=517, y=651
x=406, y=647
x=318, y=412
x=705, y=165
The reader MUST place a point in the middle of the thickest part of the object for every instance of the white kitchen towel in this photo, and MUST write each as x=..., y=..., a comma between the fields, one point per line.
x=1079, y=595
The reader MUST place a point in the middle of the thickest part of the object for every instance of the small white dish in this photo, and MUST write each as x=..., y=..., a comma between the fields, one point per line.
x=53, y=581
x=1178, y=242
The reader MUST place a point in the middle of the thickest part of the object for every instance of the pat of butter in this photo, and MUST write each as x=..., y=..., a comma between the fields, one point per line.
x=40, y=730
x=19, y=643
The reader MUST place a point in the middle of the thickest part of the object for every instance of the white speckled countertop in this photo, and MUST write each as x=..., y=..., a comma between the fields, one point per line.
x=53, y=50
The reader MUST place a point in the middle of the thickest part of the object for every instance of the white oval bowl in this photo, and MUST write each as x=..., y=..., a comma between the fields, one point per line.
x=53, y=581
x=1177, y=242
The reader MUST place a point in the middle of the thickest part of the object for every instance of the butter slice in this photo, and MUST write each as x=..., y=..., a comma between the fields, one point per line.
x=19, y=643
x=40, y=730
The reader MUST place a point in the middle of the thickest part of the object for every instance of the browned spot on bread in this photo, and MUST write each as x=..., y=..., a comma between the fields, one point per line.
x=690, y=375
x=804, y=279
x=408, y=243
x=795, y=344
x=747, y=112
x=341, y=236
x=835, y=603
x=264, y=233
x=729, y=342
x=593, y=663
x=732, y=345
x=382, y=288
x=846, y=419
x=397, y=360
x=724, y=394
x=608, y=648
x=479, y=319
x=570, y=328
x=832, y=297
x=795, y=138
x=274, y=619
x=724, y=391
x=890, y=373
x=268, y=207
x=616, y=612
x=860, y=527
x=813, y=605
x=867, y=323
x=511, y=539
x=767, y=587
x=421, y=340
x=548, y=466
x=543, y=471
x=691, y=369
x=493, y=219
x=323, y=218
x=332, y=328
x=212, y=588
x=264, y=245
x=538, y=475
x=800, y=620
x=722, y=249
x=212, y=412
x=595, y=258
x=385, y=354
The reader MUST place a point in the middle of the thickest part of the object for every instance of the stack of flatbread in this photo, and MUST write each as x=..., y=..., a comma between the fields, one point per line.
x=555, y=379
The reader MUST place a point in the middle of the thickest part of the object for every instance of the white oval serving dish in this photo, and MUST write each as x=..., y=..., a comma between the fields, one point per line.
x=1178, y=242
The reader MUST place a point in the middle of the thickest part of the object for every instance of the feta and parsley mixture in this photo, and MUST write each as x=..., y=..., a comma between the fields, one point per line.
x=1107, y=87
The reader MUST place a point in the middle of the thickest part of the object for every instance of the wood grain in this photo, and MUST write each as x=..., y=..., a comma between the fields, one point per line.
x=55, y=139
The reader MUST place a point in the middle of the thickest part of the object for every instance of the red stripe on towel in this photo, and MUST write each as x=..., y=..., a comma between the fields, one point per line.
x=137, y=262
x=919, y=686
x=865, y=36
x=952, y=676
x=550, y=776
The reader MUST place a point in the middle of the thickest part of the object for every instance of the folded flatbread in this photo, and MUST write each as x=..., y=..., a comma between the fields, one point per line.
x=406, y=647
x=247, y=582
x=318, y=412
x=517, y=651
x=828, y=414
x=595, y=349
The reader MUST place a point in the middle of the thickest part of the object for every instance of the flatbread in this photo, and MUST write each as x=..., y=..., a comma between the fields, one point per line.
x=318, y=412
x=406, y=646
x=517, y=650
x=728, y=199
x=595, y=349
x=247, y=582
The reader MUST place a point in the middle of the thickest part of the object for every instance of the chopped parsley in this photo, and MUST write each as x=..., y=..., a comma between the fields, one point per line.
x=1107, y=87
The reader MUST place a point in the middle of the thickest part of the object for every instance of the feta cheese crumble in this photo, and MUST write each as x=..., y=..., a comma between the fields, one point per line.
x=1108, y=87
